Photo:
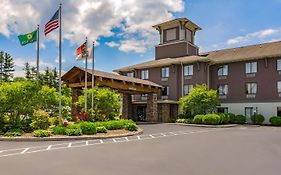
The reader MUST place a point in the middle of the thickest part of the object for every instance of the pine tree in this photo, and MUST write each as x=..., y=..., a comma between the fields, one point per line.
x=6, y=66
x=27, y=70
x=1, y=65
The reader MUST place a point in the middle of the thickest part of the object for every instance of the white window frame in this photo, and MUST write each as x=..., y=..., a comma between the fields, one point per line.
x=222, y=89
x=251, y=88
x=187, y=88
x=188, y=70
x=130, y=74
x=165, y=72
x=278, y=63
x=223, y=70
x=251, y=67
x=279, y=87
x=144, y=74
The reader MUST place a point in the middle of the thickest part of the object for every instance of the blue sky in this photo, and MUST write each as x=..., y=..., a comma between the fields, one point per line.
x=123, y=32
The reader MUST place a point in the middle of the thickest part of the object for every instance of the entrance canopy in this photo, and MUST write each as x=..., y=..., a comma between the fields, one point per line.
x=75, y=78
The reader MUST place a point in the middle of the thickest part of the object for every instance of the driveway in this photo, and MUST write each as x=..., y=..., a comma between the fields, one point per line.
x=161, y=149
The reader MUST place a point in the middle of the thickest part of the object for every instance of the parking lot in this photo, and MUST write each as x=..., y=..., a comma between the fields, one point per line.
x=161, y=149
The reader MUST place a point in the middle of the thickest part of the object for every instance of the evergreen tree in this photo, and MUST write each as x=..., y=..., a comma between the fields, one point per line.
x=6, y=66
x=1, y=65
x=27, y=70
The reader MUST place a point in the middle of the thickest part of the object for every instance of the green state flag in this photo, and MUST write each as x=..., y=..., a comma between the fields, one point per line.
x=28, y=38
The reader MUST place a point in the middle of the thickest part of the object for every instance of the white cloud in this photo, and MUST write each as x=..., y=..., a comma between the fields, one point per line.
x=91, y=18
x=132, y=45
x=112, y=44
x=253, y=36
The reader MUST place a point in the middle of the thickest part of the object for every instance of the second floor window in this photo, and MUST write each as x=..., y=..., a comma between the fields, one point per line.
x=279, y=64
x=251, y=88
x=223, y=70
x=187, y=89
x=188, y=70
x=166, y=91
x=223, y=89
x=165, y=72
x=279, y=86
x=171, y=34
x=251, y=68
x=144, y=74
x=130, y=74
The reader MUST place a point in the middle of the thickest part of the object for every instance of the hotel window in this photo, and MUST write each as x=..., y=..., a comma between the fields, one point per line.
x=250, y=111
x=130, y=74
x=187, y=89
x=279, y=64
x=223, y=70
x=279, y=87
x=165, y=72
x=222, y=89
x=171, y=34
x=188, y=70
x=144, y=74
x=222, y=110
x=166, y=91
x=251, y=88
x=251, y=68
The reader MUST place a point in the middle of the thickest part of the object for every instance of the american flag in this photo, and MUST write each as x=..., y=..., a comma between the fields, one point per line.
x=52, y=24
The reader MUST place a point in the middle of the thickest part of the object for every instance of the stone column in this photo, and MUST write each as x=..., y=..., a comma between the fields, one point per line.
x=127, y=106
x=152, y=108
x=76, y=92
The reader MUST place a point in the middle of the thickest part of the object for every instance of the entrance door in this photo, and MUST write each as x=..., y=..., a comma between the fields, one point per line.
x=141, y=113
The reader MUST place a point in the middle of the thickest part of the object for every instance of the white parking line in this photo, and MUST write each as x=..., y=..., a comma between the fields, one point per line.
x=138, y=137
x=163, y=134
x=114, y=140
x=69, y=145
x=26, y=149
x=101, y=141
x=151, y=136
x=87, y=143
x=126, y=138
x=49, y=147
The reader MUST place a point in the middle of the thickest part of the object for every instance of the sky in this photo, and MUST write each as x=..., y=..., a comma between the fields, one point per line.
x=122, y=29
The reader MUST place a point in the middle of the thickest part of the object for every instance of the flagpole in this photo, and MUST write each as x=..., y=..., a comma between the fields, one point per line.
x=86, y=73
x=93, y=76
x=37, y=61
x=60, y=61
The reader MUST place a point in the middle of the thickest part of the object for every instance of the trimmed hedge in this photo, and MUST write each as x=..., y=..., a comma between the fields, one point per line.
x=114, y=124
x=101, y=129
x=41, y=133
x=73, y=132
x=275, y=120
x=211, y=119
x=237, y=119
x=59, y=130
x=232, y=117
x=257, y=119
x=88, y=128
x=131, y=127
x=188, y=121
x=198, y=119
x=225, y=118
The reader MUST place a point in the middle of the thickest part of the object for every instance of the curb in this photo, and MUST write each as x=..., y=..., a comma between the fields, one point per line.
x=67, y=138
x=207, y=126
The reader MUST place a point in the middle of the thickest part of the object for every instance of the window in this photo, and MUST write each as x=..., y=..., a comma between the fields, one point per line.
x=223, y=70
x=279, y=64
x=187, y=88
x=251, y=68
x=144, y=74
x=130, y=74
x=166, y=91
x=188, y=70
x=223, y=110
x=251, y=88
x=188, y=35
x=223, y=89
x=250, y=111
x=171, y=34
x=279, y=111
x=279, y=86
x=165, y=72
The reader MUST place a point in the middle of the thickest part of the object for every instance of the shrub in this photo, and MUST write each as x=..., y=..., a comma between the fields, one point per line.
x=73, y=132
x=257, y=119
x=211, y=119
x=73, y=126
x=225, y=118
x=184, y=116
x=114, y=124
x=131, y=127
x=88, y=128
x=239, y=119
x=40, y=120
x=41, y=133
x=59, y=130
x=83, y=116
x=275, y=120
x=188, y=121
x=14, y=133
x=232, y=117
x=101, y=129
x=198, y=119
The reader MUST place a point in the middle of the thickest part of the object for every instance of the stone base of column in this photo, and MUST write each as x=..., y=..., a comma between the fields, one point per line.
x=152, y=108
x=127, y=107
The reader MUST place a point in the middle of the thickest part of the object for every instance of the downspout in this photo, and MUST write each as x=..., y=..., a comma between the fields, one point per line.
x=182, y=80
x=208, y=76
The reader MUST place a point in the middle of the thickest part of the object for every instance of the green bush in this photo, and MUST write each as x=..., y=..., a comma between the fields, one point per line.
x=232, y=117
x=14, y=133
x=211, y=119
x=59, y=130
x=40, y=120
x=41, y=133
x=101, y=129
x=73, y=126
x=239, y=119
x=198, y=119
x=188, y=121
x=225, y=118
x=73, y=132
x=88, y=128
x=114, y=124
x=184, y=116
x=275, y=121
x=257, y=119
x=131, y=127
